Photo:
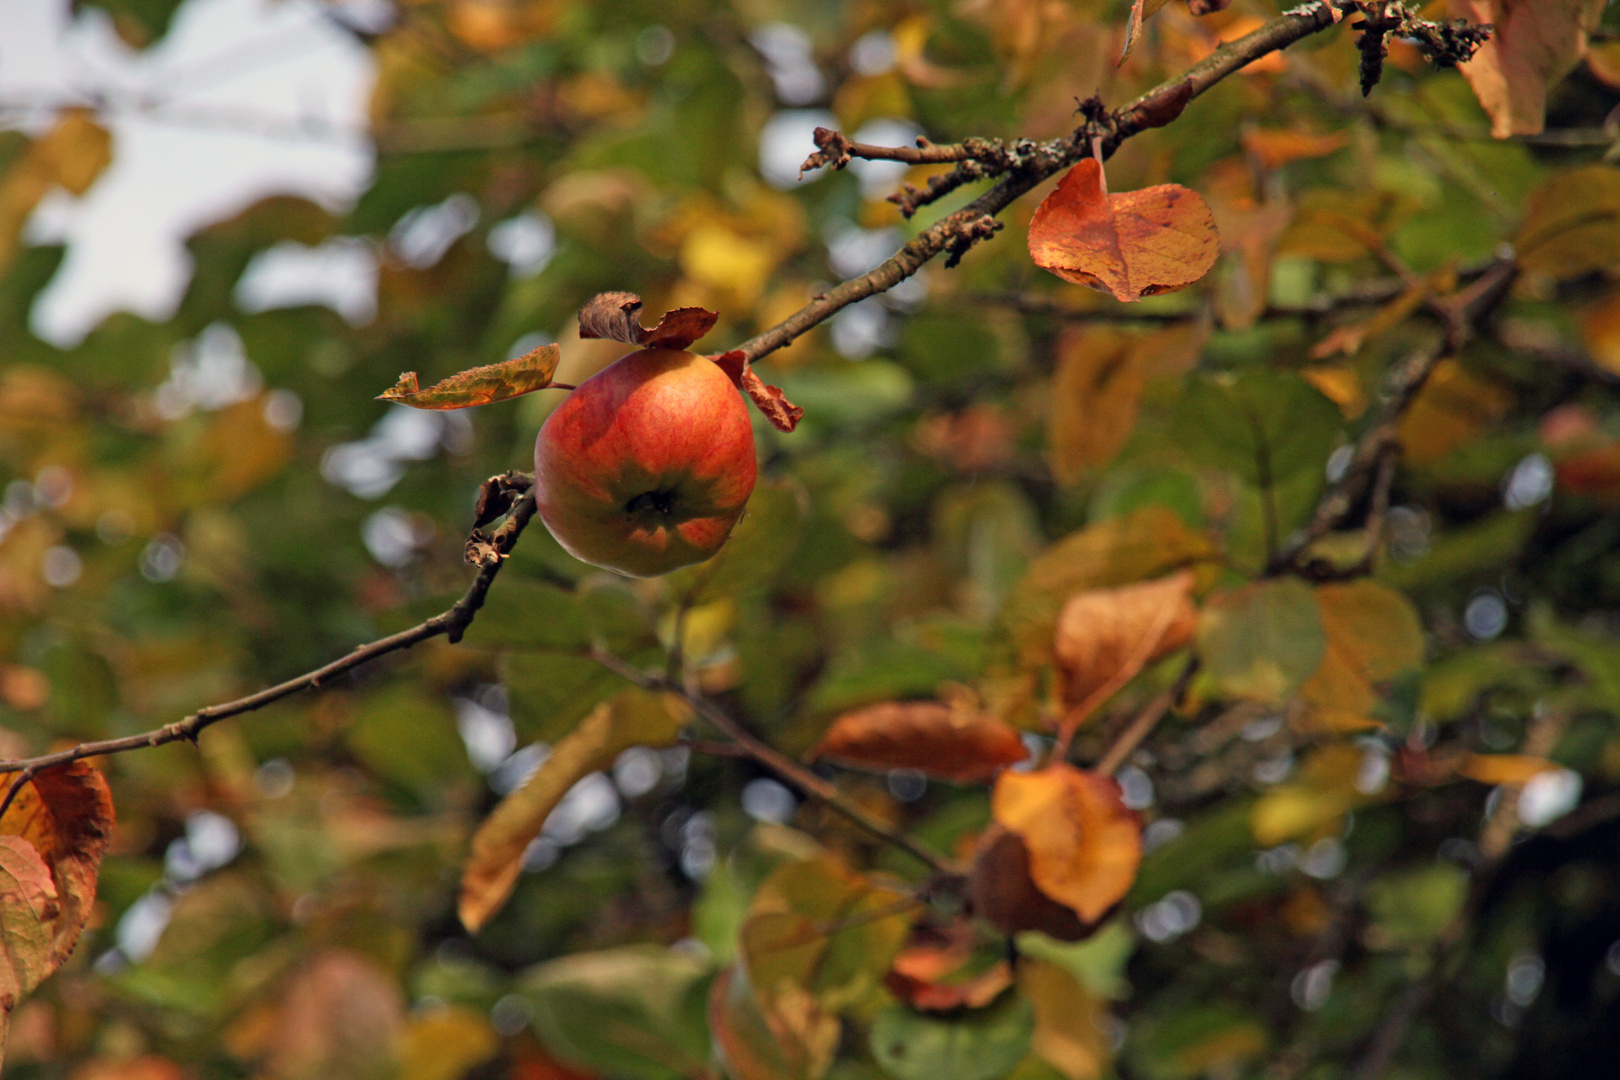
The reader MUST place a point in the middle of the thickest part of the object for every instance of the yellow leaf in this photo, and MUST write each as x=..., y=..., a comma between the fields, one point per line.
x=1572, y=224
x=722, y=259
x=1095, y=395
x=1372, y=634
x=1084, y=845
x=1313, y=803
x=1453, y=407
x=480, y=385
x=633, y=718
x=444, y=1045
x=1340, y=384
x=71, y=155
x=1503, y=768
x=1101, y=373
x=1069, y=1020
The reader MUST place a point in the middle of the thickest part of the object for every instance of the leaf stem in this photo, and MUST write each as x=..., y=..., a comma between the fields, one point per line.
x=1142, y=725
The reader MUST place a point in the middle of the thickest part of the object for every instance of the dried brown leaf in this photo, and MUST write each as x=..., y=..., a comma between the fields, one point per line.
x=1141, y=11
x=951, y=744
x=617, y=315
x=1129, y=244
x=480, y=385
x=1535, y=43
x=770, y=400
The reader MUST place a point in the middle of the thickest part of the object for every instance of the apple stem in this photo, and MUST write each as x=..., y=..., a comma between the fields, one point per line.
x=560, y=386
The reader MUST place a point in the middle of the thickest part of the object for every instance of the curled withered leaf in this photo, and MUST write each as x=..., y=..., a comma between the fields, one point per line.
x=960, y=745
x=1161, y=108
x=1130, y=244
x=771, y=401
x=617, y=317
x=480, y=385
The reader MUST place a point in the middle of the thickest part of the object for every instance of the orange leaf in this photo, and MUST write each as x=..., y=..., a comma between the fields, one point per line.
x=480, y=385
x=927, y=996
x=616, y=315
x=768, y=399
x=1105, y=636
x=933, y=973
x=1534, y=44
x=52, y=838
x=1275, y=147
x=1503, y=768
x=1084, y=845
x=949, y=744
x=1132, y=244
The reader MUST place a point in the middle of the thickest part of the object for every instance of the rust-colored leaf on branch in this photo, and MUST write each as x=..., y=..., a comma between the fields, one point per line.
x=1129, y=244
x=52, y=838
x=949, y=744
x=480, y=385
x=617, y=315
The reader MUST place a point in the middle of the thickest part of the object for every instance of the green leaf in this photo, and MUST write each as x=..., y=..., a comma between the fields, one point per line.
x=1264, y=426
x=1261, y=641
x=407, y=735
x=524, y=614
x=635, y=1013
x=980, y=1044
x=552, y=692
x=1410, y=909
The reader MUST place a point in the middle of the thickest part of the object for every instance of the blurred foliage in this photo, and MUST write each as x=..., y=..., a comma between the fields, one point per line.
x=196, y=508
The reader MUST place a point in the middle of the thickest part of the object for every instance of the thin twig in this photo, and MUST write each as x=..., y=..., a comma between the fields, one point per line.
x=1459, y=314
x=1546, y=729
x=451, y=623
x=779, y=763
x=1142, y=725
x=957, y=232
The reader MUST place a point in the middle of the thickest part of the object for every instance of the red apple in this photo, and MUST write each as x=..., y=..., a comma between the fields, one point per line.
x=647, y=466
